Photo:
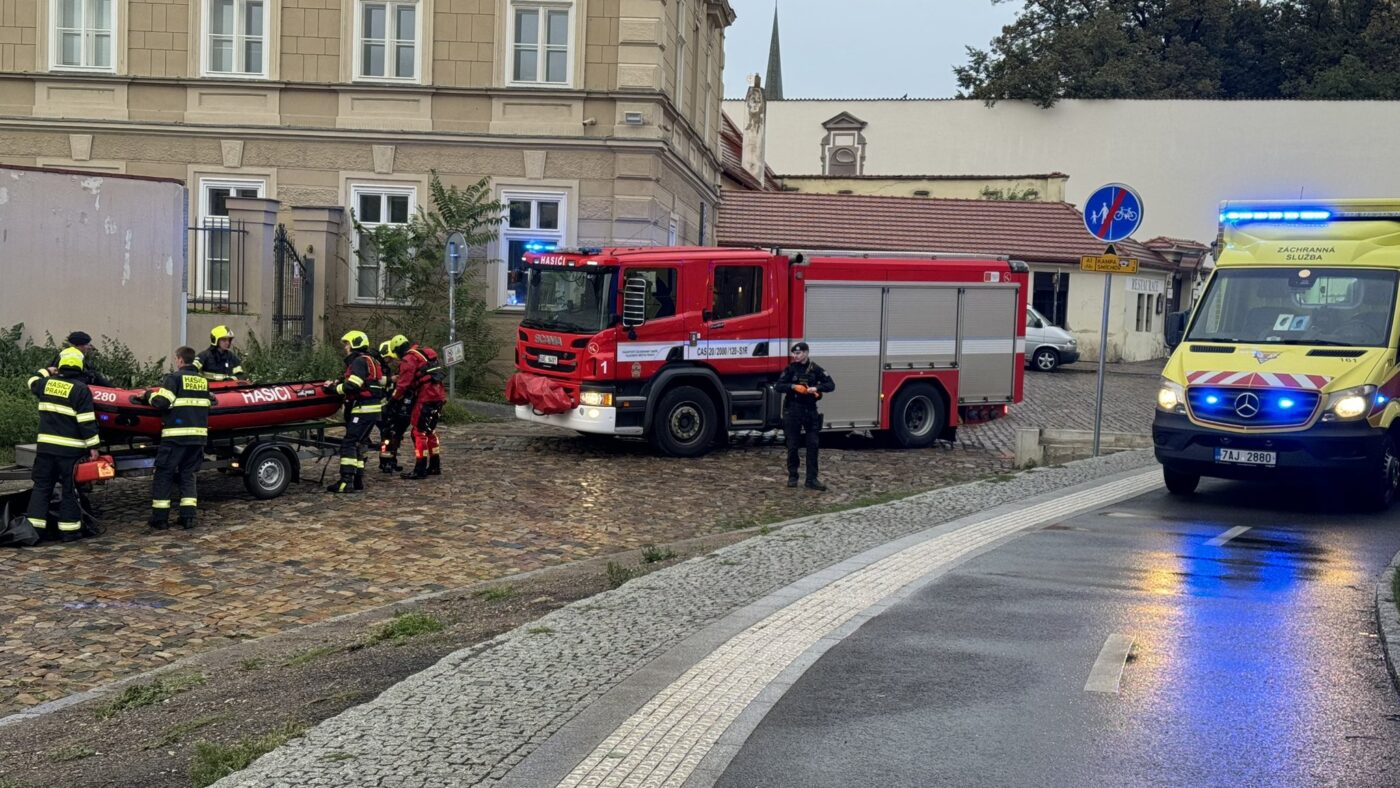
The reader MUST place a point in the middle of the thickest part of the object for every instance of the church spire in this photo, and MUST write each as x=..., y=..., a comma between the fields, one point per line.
x=773, y=85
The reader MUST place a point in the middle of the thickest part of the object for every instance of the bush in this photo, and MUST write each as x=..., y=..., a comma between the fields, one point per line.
x=20, y=357
x=287, y=360
x=19, y=422
x=213, y=762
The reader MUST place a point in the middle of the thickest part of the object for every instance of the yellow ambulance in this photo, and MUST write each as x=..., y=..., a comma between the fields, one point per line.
x=1287, y=368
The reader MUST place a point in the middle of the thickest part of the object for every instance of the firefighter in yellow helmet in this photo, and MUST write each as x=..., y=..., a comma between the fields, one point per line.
x=394, y=424
x=67, y=434
x=219, y=362
x=364, y=400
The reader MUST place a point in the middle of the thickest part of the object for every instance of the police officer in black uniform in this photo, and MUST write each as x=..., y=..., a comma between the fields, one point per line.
x=67, y=434
x=82, y=341
x=184, y=398
x=219, y=362
x=802, y=384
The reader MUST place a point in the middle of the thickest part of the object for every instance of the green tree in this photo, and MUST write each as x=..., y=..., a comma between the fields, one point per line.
x=1207, y=49
x=416, y=281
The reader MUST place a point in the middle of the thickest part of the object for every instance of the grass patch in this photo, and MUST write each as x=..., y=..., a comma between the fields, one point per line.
x=1000, y=478
x=213, y=762
x=765, y=529
x=405, y=626
x=310, y=655
x=619, y=574
x=337, y=757
x=138, y=695
x=495, y=593
x=7, y=457
x=76, y=752
x=651, y=554
x=539, y=630
x=250, y=665
x=457, y=413
x=177, y=733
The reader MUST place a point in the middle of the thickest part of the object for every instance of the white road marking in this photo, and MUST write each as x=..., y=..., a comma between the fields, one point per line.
x=1108, y=668
x=1228, y=535
x=663, y=742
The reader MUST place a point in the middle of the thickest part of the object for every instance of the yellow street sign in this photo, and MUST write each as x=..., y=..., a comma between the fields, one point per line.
x=1109, y=264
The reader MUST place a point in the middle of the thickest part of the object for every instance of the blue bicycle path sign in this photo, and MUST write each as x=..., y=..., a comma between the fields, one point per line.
x=1113, y=212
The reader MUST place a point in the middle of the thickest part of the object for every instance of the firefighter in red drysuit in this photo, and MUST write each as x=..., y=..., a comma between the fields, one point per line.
x=364, y=400
x=420, y=377
x=394, y=422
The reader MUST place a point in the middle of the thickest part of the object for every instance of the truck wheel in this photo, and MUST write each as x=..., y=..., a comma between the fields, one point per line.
x=267, y=474
x=1378, y=487
x=917, y=416
x=684, y=425
x=1179, y=482
x=1046, y=359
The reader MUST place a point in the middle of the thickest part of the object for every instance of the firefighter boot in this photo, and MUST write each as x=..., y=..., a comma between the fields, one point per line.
x=813, y=484
x=792, y=480
x=158, y=525
x=359, y=483
x=435, y=465
x=187, y=522
x=346, y=484
x=420, y=470
x=387, y=464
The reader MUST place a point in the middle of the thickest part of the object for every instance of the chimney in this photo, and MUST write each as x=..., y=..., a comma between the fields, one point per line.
x=755, y=124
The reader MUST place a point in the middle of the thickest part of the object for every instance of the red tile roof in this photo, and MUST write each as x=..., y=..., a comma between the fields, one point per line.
x=1036, y=232
x=732, y=161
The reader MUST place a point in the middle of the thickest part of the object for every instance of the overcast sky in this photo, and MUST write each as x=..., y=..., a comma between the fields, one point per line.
x=861, y=48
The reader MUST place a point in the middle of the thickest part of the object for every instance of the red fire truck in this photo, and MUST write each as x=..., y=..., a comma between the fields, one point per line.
x=682, y=344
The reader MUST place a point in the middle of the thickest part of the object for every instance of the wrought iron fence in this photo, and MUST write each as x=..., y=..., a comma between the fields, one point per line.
x=220, y=264
x=292, y=305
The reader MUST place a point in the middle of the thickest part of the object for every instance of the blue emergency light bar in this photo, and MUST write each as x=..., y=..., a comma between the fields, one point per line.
x=540, y=246
x=1236, y=217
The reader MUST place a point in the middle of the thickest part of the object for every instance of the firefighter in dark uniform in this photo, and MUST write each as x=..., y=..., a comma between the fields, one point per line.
x=802, y=384
x=364, y=401
x=184, y=399
x=219, y=362
x=395, y=422
x=83, y=343
x=67, y=434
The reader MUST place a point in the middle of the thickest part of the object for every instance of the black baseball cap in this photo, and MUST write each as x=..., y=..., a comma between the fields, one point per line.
x=799, y=346
x=78, y=338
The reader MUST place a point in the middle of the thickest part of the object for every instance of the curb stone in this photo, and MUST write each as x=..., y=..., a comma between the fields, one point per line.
x=1388, y=620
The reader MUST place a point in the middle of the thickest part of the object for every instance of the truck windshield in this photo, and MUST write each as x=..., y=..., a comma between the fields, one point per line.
x=578, y=300
x=1297, y=306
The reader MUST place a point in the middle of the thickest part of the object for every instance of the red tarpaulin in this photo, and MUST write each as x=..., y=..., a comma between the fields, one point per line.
x=540, y=393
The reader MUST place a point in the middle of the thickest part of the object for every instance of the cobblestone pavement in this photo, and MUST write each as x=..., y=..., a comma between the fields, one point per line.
x=480, y=712
x=518, y=497
x=1065, y=400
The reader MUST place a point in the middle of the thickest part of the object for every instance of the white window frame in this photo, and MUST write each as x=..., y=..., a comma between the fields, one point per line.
x=88, y=35
x=391, y=43
x=673, y=232
x=240, y=38
x=680, y=57
x=204, y=221
x=558, y=236
x=541, y=48
x=383, y=190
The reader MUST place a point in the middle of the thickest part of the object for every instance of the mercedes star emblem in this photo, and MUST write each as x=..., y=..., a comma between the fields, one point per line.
x=1247, y=405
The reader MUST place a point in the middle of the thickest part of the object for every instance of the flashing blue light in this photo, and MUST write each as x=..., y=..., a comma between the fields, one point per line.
x=1213, y=400
x=540, y=246
x=1275, y=216
x=1381, y=399
x=1285, y=403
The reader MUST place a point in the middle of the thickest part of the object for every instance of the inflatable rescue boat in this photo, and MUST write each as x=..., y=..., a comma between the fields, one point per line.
x=237, y=406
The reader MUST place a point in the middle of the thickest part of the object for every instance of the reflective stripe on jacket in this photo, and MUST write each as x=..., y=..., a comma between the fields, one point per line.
x=185, y=399
x=67, y=421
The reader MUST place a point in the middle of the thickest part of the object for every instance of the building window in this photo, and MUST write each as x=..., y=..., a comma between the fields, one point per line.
x=234, y=34
x=82, y=34
x=386, y=35
x=534, y=223
x=219, y=245
x=680, y=56
x=738, y=291
x=673, y=232
x=1145, y=303
x=376, y=206
x=540, y=41
x=1050, y=295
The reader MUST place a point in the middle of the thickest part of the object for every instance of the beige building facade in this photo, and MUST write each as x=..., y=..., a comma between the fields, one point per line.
x=597, y=121
x=1048, y=187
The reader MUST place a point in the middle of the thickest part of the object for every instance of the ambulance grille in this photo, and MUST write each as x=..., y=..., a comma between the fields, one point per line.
x=1211, y=349
x=1337, y=353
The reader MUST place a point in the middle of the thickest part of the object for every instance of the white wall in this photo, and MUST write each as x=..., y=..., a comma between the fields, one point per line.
x=93, y=252
x=1183, y=157
x=1084, y=311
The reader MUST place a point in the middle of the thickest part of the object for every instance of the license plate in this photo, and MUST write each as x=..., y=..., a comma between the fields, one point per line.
x=1246, y=457
x=549, y=358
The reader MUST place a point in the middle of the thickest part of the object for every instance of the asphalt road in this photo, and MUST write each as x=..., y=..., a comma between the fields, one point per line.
x=1254, y=660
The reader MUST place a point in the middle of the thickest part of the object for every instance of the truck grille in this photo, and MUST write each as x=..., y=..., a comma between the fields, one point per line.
x=1252, y=407
x=567, y=359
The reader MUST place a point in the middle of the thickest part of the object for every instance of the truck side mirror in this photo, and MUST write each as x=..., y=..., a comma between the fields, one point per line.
x=1176, y=328
x=634, y=301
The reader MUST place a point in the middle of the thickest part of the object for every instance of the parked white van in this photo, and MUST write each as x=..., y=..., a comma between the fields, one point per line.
x=1047, y=345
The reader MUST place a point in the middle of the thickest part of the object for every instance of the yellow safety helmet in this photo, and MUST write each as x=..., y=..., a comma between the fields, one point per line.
x=399, y=341
x=385, y=349
x=70, y=357
x=358, y=340
x=218, y=333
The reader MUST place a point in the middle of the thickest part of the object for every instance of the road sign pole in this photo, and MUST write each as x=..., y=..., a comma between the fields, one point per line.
x=1103, y=354
x=456, y=248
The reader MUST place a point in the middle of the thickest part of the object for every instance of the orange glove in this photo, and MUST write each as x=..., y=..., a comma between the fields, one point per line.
x=798, y=388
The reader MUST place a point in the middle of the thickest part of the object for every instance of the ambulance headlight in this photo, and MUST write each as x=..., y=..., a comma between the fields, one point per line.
x=596, y=399
x=1352, y=403
x=1171, y=397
